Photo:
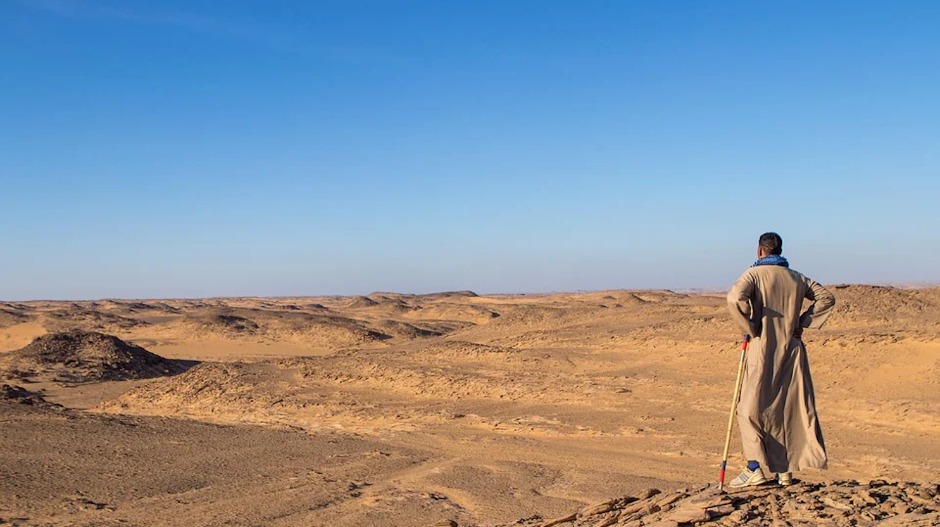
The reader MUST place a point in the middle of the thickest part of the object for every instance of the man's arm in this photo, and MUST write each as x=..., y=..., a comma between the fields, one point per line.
x=823, y=302
x=739, y=304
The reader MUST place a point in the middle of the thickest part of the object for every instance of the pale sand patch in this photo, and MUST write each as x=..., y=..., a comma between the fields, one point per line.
x=234, y=350
x=15, y=337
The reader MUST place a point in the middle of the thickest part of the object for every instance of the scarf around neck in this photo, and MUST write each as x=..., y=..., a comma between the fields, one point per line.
x=773, y=259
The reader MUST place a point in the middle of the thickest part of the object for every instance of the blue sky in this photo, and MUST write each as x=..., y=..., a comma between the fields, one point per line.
x=202, y=148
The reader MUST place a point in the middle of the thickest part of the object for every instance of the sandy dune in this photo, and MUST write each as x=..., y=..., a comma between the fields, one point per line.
x=394, y=409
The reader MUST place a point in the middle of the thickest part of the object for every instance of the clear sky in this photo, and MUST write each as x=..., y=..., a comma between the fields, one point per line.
x=203, y=148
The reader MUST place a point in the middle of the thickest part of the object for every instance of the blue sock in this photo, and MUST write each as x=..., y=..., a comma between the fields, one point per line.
x=753, y=465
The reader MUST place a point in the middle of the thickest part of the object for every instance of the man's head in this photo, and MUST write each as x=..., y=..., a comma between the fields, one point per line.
x=769, y=243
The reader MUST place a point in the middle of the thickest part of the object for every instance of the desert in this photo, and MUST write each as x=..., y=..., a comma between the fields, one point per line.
x=493, y=263
x=388, y=409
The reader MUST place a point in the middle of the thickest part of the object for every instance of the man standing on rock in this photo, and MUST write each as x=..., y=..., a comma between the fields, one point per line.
x=777, y=409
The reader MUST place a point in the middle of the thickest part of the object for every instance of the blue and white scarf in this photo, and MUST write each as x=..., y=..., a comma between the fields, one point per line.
x=773, y=259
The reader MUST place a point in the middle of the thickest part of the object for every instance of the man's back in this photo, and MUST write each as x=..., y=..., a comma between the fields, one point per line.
x=769, y=299
x=777, y=409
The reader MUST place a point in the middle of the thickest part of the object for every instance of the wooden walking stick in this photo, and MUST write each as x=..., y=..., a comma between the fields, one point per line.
x=734, y=406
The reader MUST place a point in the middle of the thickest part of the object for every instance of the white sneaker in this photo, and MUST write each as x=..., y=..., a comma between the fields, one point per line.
x=748, y=478
x=785, y=479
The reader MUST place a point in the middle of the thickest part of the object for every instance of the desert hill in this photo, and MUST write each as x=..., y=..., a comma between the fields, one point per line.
x=82, y=356
x=455, y=407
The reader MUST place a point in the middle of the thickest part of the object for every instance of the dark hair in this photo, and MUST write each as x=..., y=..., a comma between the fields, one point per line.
x=771, y=243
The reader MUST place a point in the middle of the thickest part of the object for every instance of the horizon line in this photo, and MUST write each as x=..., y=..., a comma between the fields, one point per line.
x=685, y=290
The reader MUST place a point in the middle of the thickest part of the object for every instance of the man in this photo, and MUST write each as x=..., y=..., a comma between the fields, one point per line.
x=777, y=410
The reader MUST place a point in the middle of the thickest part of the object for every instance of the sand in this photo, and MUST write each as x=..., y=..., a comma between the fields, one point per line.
x=393, y=410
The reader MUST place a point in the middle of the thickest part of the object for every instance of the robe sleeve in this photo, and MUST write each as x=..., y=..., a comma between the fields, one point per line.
x=823, y=302
x=739, y=304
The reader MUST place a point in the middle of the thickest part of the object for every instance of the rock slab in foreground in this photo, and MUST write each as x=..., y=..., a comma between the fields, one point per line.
x=841, y=503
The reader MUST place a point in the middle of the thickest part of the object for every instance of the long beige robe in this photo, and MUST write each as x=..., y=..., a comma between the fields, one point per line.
x=777, y=410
